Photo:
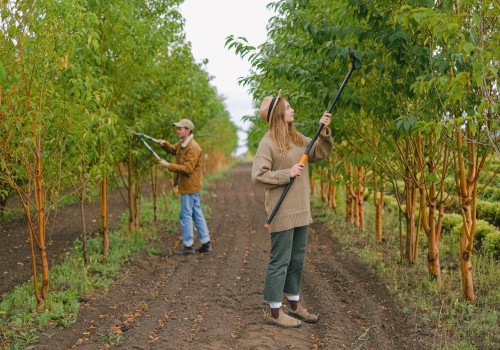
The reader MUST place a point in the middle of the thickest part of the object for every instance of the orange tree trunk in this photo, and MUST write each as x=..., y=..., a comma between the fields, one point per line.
x=33, y=240
x=324, y=184
x=324, y=190
x=154, y=189
x=40, y=207
x=36, y=238
x=333, y=197
x=349, y=215
x=85, y=254
x=312, y=181
x=104, y=213
x=378, y=202
x=137, y=201
x=428, y=198
x=467, y=182
x=466, y=240
x=360, y=198
x=350, y=204
x=131, y=197
x=411, y=237
x=431, y=229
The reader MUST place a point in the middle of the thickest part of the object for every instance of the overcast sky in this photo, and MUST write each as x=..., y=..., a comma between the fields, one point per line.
x=208, y=24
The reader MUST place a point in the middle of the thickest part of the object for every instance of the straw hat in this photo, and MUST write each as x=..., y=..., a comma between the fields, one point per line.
x=268, y=105
x=185, y=123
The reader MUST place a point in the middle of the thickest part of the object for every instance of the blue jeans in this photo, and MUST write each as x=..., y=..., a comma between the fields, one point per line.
x=191, y=210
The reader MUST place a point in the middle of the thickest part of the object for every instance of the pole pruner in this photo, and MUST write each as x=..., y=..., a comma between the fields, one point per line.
x=305, y=156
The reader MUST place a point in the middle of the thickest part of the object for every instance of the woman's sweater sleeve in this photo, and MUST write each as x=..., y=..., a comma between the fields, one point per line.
x=262, y=170
x=322, y=147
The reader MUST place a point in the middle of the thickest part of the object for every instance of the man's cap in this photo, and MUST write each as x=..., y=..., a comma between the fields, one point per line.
x=185, y=123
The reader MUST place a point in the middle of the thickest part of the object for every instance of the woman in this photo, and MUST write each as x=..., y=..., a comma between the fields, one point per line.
x=275, y=164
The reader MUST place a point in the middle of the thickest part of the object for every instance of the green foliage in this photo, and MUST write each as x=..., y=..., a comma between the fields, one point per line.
x=489, y=211
x=462, y=325
x=429, y=78
x=483, y=229
x=491, y=244
x=391, y=204
x=74, y=73
x=108, y=66
x=450, y=221
x=491, y=194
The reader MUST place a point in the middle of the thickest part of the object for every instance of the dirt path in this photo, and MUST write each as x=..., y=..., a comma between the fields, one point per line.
x=214, y=301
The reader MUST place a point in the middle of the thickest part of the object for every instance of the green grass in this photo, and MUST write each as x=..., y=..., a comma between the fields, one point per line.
x=459, y=324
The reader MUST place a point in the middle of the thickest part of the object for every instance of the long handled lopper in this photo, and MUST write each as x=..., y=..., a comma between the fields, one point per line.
x=142, y=136
x=304, y=157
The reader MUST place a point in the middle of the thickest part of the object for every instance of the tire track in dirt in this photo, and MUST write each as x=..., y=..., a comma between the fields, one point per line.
x=214, y=301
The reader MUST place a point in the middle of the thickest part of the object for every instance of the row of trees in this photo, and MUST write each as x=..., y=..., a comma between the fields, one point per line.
x=73, y=75
x=422, y=109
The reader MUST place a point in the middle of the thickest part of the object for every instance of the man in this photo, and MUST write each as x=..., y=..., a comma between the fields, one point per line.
x=188, y=174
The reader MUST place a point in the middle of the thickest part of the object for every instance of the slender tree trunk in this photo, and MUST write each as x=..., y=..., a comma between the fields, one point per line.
x=360, y=198
x=85, y=254
x=333, y=197
x=3, y=206
x=354, y=209
x=40, y=206
x=34, y=238
x=33, y=241
x=467, y=190
x=466, y=240
x=348, y=208
x=351, y=213
x=312, y=183
x=131, y=196
x=324, y=190
x=429, y=223
x=324, y=184
x=432, y=225
x=104, y=214
x=411, y=237
x=378, y=202
x=137, y=201
x=154, y=189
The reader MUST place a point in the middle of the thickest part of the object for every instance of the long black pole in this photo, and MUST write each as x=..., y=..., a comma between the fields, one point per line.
x=303, y=160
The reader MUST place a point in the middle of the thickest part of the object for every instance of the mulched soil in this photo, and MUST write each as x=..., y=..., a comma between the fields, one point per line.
x=63, y=228
x=214, y=301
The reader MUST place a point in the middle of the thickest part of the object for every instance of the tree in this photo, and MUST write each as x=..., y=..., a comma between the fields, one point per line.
x=37, y=110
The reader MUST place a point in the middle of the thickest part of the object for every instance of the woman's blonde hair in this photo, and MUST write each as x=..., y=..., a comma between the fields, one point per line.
x=283, y=133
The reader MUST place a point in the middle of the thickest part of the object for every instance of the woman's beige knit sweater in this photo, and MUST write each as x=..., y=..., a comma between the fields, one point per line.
x=272, y=171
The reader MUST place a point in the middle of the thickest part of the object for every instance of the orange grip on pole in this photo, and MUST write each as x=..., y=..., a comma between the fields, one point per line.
x=303, y=160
